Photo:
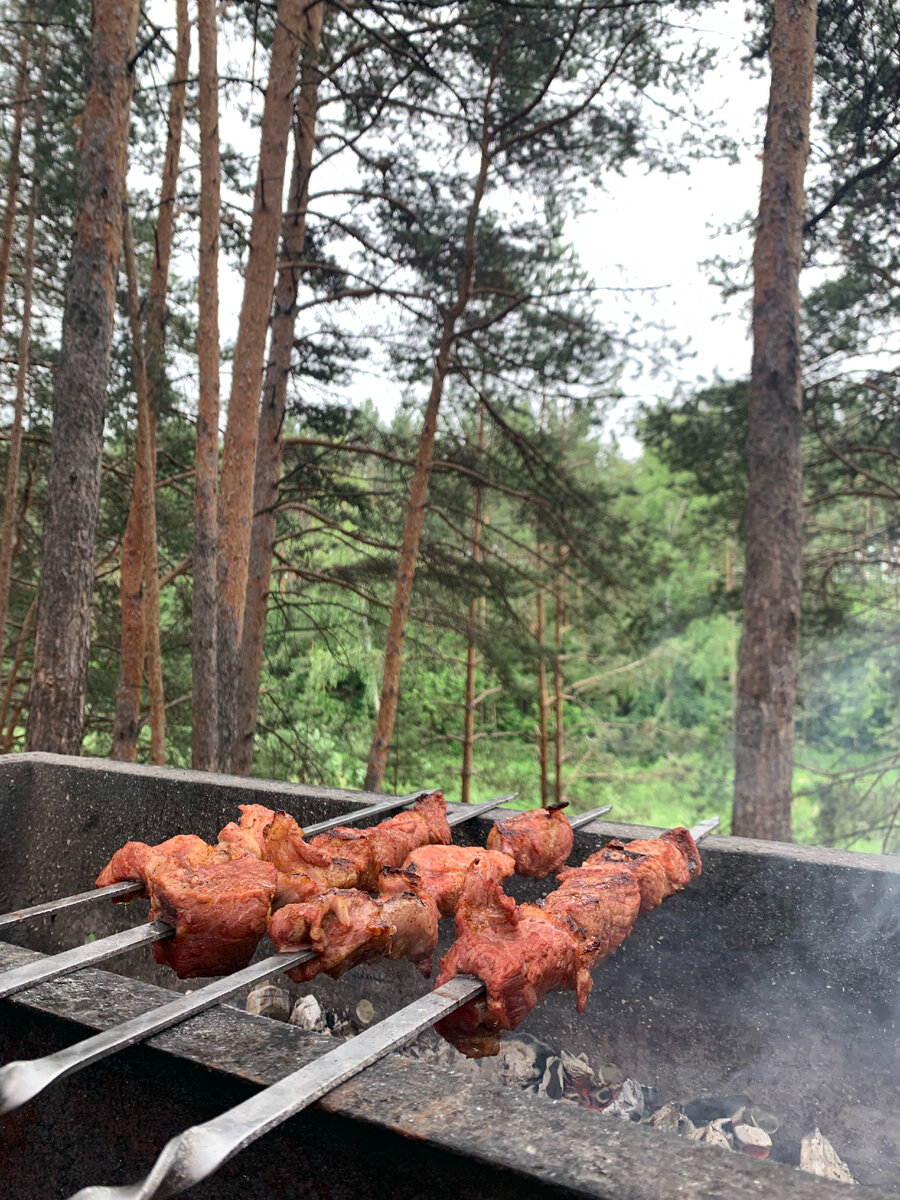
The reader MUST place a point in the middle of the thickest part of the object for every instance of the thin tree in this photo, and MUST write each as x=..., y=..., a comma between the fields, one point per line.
x=23, y=362
x=274, y=394
x=770, y=638
x=13, y=169
x=65, y=590
x=134, y=598
x=204, y=691
x=468, y=745
x=145, y=476
x=239, y=452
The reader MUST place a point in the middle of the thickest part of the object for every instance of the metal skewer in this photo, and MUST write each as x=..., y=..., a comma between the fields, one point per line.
x=586, y=818
x=200, y=1150
x=130, y=888
x=20, y=1081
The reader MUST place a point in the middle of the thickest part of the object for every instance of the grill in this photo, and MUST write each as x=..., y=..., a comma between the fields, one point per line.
x=775, y=975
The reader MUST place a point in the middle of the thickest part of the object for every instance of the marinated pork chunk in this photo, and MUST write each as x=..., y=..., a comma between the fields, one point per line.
x=219, y=911
x=347, y=927
x=519, y=951
x=248, y=836
x=661, y=866
x=540, y=840
x=303, y=870
x=389, y=843
x=131, y=861
x=518, y=961
x=441, y=871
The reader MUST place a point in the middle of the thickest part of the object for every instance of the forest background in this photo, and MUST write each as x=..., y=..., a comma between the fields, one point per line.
x=576, y=613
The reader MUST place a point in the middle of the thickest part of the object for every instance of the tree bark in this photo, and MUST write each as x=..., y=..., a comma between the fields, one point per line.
x=8, y=527
x=769, y=653
x=415, y=509
x=239, y=452
x=274, y=395
x=65, y=590
x=134, y=600
x=145, y=483
x=471, y=654
x=13, y=172
x=543, y=698
x=558, y=737
x=204, y=694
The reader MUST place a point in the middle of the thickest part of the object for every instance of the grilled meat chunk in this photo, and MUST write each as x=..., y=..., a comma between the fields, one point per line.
x=249, y=836
x=600, y=906
x=389, y=843
x=345, y=927
x=219, y=911
x=441, y=871
x=304, y=870
x=131, y=861
x=519, y=952
x=662, y=866
x=539, y=840
x=519, y=959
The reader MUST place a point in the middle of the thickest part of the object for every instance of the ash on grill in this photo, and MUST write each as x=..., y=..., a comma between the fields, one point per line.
x=734, y=1123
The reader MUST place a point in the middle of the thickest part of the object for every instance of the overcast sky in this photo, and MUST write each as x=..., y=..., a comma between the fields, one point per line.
x=645, y=238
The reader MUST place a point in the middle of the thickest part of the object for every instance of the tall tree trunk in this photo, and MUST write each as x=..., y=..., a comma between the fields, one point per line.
x=65, y=591
x=415, y=509
x=471, y=653
x=134, y=600
x=767, y=673
x=8, y=527
x=239, y=453
x=204, y=693
x=558, y=739
x=274, y=395
x=543, y=697
x=126, y=720
x=18, y=659
x=145, y=473
x=13, y=171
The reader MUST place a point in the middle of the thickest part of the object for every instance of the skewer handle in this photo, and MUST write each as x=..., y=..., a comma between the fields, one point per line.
x=201, y=1150
x=20, y=1081
x=18, y=978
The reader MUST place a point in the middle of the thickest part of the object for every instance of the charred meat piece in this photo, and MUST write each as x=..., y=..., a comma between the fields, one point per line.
x=599, y=905
x=662, y=866
x=219, y=911
x=441, y=871
x=519, y=961
x=131, y=861
x=519, y=952
x=539, y=840
x=345, y=927
x=389, y=843
x=303, y=870
x=248, y=836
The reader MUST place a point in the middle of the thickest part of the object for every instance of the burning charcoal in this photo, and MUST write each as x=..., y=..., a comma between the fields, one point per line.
x=752, y=1140
x=668, y=1118
x=308, y=1015
x=711, y=1108
x=762, y=1117
x=267, y=1000
x=819, y=1157
x=365, y=1012
x=629, y=1104
x=576, y=1067
x=522, y=1061
x=551, y=1084
x=716, y=1134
